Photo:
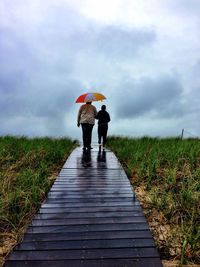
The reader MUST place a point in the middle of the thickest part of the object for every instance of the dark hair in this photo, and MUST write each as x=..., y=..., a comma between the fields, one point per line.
x=103, y=107
x=89, y=102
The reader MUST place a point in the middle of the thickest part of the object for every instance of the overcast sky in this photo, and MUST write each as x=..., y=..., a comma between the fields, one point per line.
x=144, y=56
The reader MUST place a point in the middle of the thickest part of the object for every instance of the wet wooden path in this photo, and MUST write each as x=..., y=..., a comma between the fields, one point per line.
x=89, y=219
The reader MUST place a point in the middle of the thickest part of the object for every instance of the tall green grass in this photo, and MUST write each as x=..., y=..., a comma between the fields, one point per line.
x=168, y=170
x=28, y=168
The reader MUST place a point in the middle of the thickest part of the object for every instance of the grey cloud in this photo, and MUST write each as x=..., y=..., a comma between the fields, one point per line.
x=43, y=109
x=122, y=42
x=192, y=95
x=36, y=85
x=15, y=51
x=84, y=37
x=196, y=71
x=187, y=7
x=41, y=102
x=59, y=99
x=61, y=38
x=159, y=97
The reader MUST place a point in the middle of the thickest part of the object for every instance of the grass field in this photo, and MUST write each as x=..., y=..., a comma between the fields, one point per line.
x=165, y=174
x=28, y=168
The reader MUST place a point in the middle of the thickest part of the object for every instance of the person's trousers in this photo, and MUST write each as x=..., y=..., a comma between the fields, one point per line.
x=102, y=132
x=87, y=134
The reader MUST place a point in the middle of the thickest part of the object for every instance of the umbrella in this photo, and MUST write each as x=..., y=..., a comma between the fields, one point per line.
x=89, y=97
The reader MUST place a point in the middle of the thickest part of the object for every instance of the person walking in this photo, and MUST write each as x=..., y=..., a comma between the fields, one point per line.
x=103, y=118
x=86, y=118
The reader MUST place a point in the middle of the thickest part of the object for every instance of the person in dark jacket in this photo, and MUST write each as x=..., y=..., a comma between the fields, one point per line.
x=103, y=118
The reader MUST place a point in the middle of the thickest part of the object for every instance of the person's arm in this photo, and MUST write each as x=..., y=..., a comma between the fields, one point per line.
x=97, y=116
x=79, y=117
x=95, y=112
x=108, y=117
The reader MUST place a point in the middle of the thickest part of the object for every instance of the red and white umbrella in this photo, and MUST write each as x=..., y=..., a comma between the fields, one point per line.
x=89, y=97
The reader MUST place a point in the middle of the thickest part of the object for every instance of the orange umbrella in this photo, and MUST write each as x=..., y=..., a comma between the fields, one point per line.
x=89, y=97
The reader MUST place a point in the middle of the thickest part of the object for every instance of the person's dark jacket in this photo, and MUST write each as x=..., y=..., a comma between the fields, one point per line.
x=103, y=117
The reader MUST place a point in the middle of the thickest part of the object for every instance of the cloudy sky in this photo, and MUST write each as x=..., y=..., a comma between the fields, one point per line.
x=144, y=56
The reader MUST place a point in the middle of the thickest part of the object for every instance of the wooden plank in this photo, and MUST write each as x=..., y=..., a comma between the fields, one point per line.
x=89, y=184
x=76, y=199
x=99, y=194
x=99, y=197
x=132, y=262
x=79, y=165
x=108, y=192
x=87, y=180
x=81, y=187
x=88, y=228
x=86, y=244
x=62, y=236
x=94, y=178
x=112, y=175
x=56, y=198
x=90, y=204
x=64, y=195
x=67, y=215
x=84, y=171
x=117, y=173
x=116, y=253
x=90, y=191
x=88, y=221
x=87, y=200
x=83, y=208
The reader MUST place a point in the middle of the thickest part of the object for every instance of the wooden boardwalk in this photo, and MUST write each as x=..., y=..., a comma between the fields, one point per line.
x=89, y=219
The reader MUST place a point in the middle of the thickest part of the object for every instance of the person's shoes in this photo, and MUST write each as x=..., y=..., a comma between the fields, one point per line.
x=90, y=147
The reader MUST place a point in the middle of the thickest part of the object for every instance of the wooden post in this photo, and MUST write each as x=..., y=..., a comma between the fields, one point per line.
x=182, y=134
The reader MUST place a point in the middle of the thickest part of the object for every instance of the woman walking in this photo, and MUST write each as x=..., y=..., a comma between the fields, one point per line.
x=86, y=117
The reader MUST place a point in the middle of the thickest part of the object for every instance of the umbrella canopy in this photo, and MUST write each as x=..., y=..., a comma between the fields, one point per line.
x=89, y=97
